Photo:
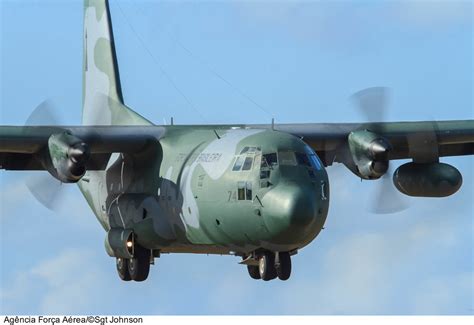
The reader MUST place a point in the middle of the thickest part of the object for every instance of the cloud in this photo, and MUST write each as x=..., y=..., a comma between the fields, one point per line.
x=67, y=283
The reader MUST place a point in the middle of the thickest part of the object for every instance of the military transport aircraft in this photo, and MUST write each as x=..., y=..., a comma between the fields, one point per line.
x=260, y=192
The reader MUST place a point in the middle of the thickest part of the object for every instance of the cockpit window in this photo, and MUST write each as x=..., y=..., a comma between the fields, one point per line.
x=250, y=150
x=302, y=159
x=238, y=164
x=248, y=163
x=287, y=158
x=269, y=160
x=315, y=162
x=245, y=159
x=313, y=158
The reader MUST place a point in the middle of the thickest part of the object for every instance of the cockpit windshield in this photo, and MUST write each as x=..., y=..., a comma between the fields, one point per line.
x=269, y=160
x=287, y=158
x=313, y=158
x=291, y=158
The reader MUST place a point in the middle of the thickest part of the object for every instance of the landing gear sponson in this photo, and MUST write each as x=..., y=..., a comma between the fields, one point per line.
x=270, y=266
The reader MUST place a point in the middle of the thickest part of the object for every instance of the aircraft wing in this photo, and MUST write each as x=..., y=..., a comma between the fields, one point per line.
x=420, y=141
x=24, y=147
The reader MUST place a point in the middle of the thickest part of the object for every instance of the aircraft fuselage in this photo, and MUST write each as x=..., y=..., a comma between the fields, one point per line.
x=224, y=191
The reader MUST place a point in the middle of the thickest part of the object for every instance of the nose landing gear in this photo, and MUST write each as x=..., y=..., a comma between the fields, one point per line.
x=254, y=272
x=270, y=266
x=266, y=266
x=283, y=265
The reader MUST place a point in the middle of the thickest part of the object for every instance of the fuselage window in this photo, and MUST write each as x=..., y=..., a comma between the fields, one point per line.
x=238, y=164
x=248, y=163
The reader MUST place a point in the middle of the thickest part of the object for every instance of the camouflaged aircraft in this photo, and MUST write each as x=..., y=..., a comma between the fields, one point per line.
x=260, y=192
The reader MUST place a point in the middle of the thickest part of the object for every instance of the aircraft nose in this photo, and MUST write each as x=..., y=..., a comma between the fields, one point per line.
x=299, y=206
x=290, y=206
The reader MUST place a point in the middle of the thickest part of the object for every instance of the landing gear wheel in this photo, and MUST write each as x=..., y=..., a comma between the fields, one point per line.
x=139, y=265
x=122, y=269
x=253, y=271
x=283, y=265
x=266, y=266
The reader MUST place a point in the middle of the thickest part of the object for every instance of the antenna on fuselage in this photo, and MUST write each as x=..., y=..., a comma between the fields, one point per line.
x=273, y=123
x=172, y=120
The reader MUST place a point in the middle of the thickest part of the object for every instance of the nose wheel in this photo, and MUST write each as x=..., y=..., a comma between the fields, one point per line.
x=254, y=272
x=266, y=266
x=283, y=265
x=270, y=266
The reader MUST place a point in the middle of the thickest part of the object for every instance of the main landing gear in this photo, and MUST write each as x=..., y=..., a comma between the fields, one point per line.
x=136, y=268
x=270, y=266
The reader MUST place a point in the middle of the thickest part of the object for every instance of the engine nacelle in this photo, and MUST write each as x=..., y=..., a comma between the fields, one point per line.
x=68, y=156
x=427, y=180
x=369, y=153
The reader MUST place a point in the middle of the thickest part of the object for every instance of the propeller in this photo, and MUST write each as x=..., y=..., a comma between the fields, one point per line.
x=373, y=103
x=44, y=187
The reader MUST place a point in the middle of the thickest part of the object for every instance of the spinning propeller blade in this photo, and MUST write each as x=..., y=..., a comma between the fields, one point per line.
x=373, y=103
x=44, y=187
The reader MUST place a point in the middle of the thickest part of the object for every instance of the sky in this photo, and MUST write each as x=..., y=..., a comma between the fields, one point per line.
x=247, y=62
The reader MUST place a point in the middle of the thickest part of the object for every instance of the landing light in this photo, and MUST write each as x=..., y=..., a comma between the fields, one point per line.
x=129, y=244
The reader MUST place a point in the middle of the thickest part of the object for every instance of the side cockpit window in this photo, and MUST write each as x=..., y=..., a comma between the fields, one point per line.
x=248, y=163
x=245, y=160
x=244, y=191
x=238, y=163
x=241, y=191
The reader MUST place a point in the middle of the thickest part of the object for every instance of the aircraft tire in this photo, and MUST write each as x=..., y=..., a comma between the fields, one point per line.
x=139, y=265
x=283, y=266
x=122, y=269
x=254, y=272
x=266, y=266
